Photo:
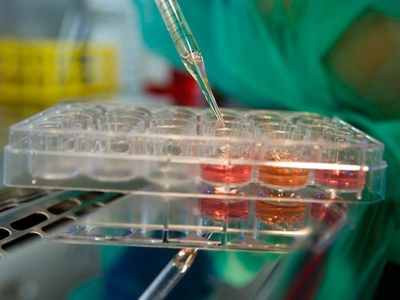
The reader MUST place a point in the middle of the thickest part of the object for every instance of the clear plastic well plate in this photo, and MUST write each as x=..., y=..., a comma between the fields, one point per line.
x=265, y=172
x=174, y=149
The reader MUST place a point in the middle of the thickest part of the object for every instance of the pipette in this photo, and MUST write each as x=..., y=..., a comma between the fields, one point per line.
x=188, y=50
x=170, y=275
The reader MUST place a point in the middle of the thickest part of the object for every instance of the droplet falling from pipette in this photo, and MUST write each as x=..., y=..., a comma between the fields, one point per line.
x=194, y=63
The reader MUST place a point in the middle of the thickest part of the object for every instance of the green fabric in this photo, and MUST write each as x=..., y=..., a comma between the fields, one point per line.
x=259, y=66
x=266, y=55
x=243, y=266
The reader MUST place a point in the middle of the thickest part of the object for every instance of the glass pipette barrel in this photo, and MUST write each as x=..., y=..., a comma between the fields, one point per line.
x=188, y=50
x=170, y=275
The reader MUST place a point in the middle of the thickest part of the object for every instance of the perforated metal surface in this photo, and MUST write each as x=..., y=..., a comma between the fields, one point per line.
x=27, y=215
x=89, y=217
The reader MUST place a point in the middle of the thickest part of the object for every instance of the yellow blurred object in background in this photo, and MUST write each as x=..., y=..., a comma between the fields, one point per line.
x=36, y=74
x=41, y=72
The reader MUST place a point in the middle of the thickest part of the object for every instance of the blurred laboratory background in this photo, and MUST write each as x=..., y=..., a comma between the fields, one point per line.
x=67, y=50
x=54, y=51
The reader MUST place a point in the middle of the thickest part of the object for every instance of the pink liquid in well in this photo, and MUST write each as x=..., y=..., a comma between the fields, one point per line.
x=221, y=210
x=340, y=179
x=224, y=209
x=226, y=174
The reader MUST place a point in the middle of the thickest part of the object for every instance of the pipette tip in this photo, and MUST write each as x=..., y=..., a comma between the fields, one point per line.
x=184, y=259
